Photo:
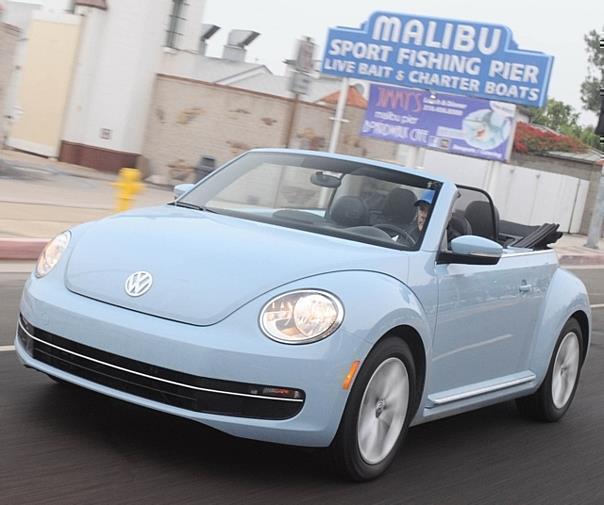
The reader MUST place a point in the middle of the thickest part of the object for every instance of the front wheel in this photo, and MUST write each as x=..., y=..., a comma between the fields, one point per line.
x=553, y=398
x=378, y=412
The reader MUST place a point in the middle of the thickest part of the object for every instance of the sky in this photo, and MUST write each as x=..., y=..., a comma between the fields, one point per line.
x=553, y=27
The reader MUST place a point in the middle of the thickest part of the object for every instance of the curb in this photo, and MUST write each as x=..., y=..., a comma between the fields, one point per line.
x=581, y=259
x=21, y=249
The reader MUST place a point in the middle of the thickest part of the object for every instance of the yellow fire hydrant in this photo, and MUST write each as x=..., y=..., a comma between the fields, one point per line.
x=128, y=184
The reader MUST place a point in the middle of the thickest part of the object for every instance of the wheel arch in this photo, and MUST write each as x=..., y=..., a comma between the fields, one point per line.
x=583, y=320
x=415, y=342
x=566, y=298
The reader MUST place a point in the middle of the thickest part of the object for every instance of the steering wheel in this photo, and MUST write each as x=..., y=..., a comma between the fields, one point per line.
x=391, y=229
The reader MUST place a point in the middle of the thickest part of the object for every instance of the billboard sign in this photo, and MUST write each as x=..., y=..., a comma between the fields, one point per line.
x=453, y=123
x=478, y=59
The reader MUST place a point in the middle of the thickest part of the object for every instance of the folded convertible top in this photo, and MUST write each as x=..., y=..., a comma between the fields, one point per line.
x=540, y=238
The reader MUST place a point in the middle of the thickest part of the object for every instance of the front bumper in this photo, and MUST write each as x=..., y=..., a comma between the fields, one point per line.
x=73, y=333
x=198, y=394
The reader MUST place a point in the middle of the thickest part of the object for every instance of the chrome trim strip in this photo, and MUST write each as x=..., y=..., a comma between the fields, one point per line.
x=482, y=390
x=527, y=253
x=261, y=397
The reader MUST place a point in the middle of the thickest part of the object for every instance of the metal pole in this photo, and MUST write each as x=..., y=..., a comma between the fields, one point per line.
x=597, y=216
x=420, y=158
x=339, y=117
x=292, y=117
x=412, y=157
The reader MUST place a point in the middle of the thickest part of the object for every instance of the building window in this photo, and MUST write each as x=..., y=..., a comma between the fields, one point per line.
x=174, y=23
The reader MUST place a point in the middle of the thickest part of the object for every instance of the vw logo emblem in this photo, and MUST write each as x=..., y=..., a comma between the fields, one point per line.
x=138, y=283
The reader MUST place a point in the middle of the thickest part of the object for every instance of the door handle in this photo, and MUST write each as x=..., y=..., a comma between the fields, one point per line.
x=525, y=288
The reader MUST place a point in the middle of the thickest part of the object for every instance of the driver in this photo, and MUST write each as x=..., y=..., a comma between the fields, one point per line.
x=423, y=203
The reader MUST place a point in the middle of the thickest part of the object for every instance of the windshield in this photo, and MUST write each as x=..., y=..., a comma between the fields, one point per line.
x=335, y=197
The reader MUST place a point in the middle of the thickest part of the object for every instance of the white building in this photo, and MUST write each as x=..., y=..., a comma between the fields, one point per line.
x=98, y=60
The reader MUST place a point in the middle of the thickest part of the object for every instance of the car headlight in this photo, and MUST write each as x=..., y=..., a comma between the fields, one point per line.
x=51, y=254
x=301, y=317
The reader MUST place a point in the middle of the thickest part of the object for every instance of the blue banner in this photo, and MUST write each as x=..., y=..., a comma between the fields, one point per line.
x=447, y=55
x=453, y=123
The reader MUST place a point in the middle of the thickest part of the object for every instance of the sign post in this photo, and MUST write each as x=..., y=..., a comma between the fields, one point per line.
x=300, y=81
x=338, y=119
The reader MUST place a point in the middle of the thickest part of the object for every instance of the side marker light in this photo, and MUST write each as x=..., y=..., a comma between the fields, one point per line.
x=350, y=375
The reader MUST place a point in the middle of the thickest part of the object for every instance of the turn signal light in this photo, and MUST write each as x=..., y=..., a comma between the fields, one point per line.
x=350, y=375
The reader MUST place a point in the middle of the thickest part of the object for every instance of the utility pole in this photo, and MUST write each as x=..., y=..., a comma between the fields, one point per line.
x=597, y=217
x=595, y=226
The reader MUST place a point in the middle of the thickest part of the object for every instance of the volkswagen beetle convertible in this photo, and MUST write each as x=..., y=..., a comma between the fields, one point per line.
x=315, y=300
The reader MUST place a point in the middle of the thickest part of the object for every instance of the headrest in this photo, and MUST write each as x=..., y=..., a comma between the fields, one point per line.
x=349, y=211
x=481, y=220
x=399, y=205
x=458, y=226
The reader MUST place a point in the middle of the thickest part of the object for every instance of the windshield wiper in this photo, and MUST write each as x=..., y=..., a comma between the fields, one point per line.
x=192, y=206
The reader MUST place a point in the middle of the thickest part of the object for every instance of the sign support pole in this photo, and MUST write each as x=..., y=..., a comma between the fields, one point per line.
x=339, y=117
x=412, y=157
x=292, y=118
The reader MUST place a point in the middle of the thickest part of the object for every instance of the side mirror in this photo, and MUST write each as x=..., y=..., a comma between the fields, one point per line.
x=472, y=250
x=181, y=189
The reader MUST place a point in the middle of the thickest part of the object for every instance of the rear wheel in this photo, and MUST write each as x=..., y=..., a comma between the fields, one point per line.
x=378, y=412
x=553, y=398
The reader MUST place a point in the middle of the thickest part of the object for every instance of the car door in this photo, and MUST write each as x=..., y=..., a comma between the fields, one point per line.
x=484, y=324
x=486, y=315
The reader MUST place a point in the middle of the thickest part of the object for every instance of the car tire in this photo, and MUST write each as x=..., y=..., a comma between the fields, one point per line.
x=378, y=412
x=551, y=401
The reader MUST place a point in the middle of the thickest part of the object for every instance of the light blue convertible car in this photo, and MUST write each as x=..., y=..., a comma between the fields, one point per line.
x=315, y=300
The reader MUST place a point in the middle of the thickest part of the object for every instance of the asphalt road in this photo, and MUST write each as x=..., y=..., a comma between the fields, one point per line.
x=63, y=445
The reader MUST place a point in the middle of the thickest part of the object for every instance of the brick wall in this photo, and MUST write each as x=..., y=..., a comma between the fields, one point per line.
x=190, y=118
x=8, y=43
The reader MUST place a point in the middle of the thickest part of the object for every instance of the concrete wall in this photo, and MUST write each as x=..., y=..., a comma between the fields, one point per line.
x=190, y=118
x=586, y=171
x=523, y=195
x=9, y=36
x=20, y=13
x=45, y=82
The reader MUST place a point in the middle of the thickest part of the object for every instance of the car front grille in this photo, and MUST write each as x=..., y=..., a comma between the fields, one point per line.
x=186, y=391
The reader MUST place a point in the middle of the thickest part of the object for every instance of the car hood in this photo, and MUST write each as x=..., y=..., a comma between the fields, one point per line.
x=204, y=266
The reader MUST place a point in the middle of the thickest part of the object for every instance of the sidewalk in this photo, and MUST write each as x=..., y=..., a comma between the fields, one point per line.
x=572, y=251
x=40, y=198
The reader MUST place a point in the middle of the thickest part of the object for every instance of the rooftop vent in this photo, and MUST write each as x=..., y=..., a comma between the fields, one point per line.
x=207, y=30
x=238, y=40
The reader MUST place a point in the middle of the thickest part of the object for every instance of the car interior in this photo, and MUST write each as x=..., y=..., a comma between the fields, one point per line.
x=474, y=213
